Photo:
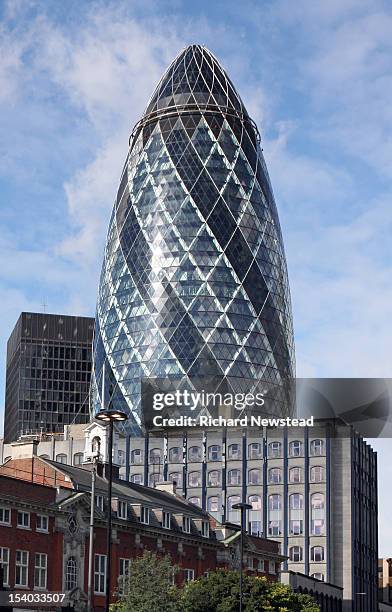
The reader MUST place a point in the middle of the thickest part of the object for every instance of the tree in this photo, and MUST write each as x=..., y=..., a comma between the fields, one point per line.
x=219, y=592
x=148, y=588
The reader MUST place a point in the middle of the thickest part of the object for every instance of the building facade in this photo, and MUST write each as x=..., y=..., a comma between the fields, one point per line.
x=194, y=282
x=385, y=580
x=48, y=373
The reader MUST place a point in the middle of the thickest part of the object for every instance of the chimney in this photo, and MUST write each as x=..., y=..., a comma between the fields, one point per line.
x=24, y=449
x=168, y=486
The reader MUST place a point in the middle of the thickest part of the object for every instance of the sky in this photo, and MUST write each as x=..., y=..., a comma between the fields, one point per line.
x=317, y=78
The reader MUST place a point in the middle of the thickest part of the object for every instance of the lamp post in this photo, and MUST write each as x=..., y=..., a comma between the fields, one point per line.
x=243, y=507
x=109, y=416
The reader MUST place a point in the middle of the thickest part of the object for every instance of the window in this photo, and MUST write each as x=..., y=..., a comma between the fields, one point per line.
x=145, y=515
x=40, y=570
x=255, y=502
x=250, y=563
x=186, y=524
x=295, y=448
x=214, y=478
x=137, y=478
x=317, y=473
x=121, y=457
x=271, y=567
x=274, y=515
x=99, y=502
x=317, y=554
x=195, y=501
x=232, y=500
x=61, y=458
x=154, y=479
x=296, y=503
x=260, y=565
x=123, y=573
x=254, y=517
x=254, y=477
x=175, y=454
x=213, y=504
x=21, y=568
x=99, y=574
x=295, y=554
x=255, y=528
x=317, y=514
x=136, y=456
x=234, y=477
x=275, y=475
x=317, y=448
x=234, y=451
x=274, y=502
x=194, y=453
x=78, y=458
x=214, y=452
x=96, y=445
x=194, y=479
x=205, y=529
x=122, y=510
x=176, y=477
x=5, y=562
x=189, y=575
x=255, y=451
x=23, y=520
x=275, y=450
x=295, y=474
x=42, y=523
x=71, y=575
x=166, y=519
x=318, y=576
x=5, y=516
x=155, y=456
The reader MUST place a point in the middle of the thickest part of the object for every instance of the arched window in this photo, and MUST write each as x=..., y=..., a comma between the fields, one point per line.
x=71, y=574
x=78, y=458
x=295, y=474
x=234, y=451
x=233, y=515
x=275, y=475
x=96, y=445
x=136, y=456
x=317, y=447
x=175, y=454
x=317, y=473
x=61, y=458
x=274, y=514
x=137, y=478
x=275, y=450
x=255, y=451
x=176, y=477
x=213, y=503
x=295, y=554
x=156, y=456
x=194, y=479
x=214, y=478
x=154, y=479
x=295, y=448
x=317, y=514
x=318, y=576
x=194, y=453
x=194, y=500
x=317, y=554
x=254, y=477
x=214, y=452
x=296, y=504
x=255, y=502
x=234, y=477
x=255, y=516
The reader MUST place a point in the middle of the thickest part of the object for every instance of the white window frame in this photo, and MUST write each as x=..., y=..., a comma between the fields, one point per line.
x=271, y=567
x=100, y=569
x=41, y=570
x=5, y=562
x=123, y=573
x=137, y=452
x=139, y=480
x=189, y=575
x=250, y=563
x=3, y=511
x=23, y=525
x=99, y=502
x=166, y=519
x=205, y=529
x=145, y=515
x=42, y=529
x=186, y=524
x=122, y=511
x=71, y=561
x=22, y=566
x=261, y=565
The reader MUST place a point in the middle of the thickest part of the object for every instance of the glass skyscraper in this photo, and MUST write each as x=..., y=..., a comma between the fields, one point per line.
x=194, y=281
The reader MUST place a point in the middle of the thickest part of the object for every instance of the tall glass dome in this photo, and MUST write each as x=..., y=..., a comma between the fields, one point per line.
x=194, y=280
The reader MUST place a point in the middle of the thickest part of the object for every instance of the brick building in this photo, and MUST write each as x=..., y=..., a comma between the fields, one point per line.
x=44, y=530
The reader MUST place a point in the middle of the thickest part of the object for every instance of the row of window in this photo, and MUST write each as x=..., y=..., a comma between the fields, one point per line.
x=22, y=568
x=317, y=554
x=234, y=451
x=23, y=520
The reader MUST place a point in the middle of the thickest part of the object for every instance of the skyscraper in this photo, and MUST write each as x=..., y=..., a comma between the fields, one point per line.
x=194, y=280
x=48, y=373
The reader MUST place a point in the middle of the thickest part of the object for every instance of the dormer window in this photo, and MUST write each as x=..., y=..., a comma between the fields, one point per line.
x=145, y=515
x=122, y=510
x=205, y=529
x=166, y=519
x=99, y=502
x=186, y=524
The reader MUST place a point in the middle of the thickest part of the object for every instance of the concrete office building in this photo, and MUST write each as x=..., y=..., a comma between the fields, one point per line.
x=48, y=373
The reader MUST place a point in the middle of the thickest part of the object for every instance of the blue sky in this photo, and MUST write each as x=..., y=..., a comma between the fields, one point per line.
x=317, y=78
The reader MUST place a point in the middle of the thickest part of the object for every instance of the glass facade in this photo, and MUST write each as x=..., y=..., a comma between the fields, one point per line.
x=194, y=280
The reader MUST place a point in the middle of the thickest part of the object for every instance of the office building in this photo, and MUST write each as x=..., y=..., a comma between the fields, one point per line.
x=48, y=373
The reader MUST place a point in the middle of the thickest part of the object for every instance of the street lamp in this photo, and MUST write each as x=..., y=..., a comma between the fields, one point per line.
x=109, y=416
x=243, y=507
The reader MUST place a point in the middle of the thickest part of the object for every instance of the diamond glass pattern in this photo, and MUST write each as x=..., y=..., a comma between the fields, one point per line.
x=194, y=280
